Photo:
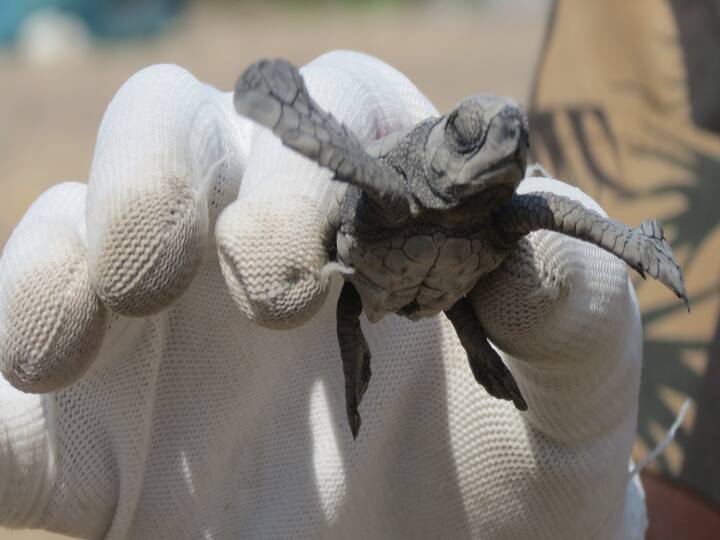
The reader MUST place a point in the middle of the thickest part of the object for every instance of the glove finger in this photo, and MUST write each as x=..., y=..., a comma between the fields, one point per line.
x=276, y=241
x=168, y=158
x=273, y=241
x=51, y=321
x=273, y=255
x=565, y=313
x=548, y=289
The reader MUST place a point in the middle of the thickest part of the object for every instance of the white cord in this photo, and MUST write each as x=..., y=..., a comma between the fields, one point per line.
x=660, y=448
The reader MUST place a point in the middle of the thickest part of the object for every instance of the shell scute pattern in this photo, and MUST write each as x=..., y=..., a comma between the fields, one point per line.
x=420, y=274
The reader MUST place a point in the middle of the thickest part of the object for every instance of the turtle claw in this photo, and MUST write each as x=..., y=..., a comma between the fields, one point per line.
x=354, y=421
x=655, y=257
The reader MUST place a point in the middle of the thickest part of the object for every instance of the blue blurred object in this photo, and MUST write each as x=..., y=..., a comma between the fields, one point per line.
x=111, y=19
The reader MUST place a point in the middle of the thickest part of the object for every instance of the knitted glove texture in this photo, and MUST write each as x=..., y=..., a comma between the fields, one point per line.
x=142, y=312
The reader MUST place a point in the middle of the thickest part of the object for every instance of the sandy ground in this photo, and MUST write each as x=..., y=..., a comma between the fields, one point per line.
x=50, y=113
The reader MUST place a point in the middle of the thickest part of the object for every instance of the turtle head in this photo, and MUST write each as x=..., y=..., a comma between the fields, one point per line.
x=479, y=150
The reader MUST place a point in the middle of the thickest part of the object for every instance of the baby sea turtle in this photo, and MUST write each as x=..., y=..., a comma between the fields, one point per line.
x=431, y=210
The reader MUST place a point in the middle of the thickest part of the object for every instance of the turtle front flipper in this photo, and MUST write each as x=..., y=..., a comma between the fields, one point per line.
x=354, y=351
x=273, y=94
x=644, y=248
x=485, y=364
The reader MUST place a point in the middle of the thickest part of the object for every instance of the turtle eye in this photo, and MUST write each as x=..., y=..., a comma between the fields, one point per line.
x=457, y=132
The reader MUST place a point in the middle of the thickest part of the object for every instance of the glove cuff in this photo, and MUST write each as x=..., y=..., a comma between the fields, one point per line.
x=27, y=463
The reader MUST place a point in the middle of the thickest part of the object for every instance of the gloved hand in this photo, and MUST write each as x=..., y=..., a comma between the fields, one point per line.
x=167, y=412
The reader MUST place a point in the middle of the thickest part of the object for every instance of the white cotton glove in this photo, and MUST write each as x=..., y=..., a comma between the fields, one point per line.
x=195, y=421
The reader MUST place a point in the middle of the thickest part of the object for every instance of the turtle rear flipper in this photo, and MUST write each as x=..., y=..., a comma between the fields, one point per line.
x=644, y=248
x=486, y=365
x=273, y=94
x=354, y=351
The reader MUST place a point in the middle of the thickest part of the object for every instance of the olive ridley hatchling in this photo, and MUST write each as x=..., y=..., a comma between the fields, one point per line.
x=431, y=210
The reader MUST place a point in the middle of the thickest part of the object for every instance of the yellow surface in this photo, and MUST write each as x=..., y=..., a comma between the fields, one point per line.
x=621, y=61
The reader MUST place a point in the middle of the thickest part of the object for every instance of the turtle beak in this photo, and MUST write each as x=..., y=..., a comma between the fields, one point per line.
x=507, y=138
x=509, y=171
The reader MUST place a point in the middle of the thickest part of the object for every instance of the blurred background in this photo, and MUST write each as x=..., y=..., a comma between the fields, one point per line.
x=624, y=101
